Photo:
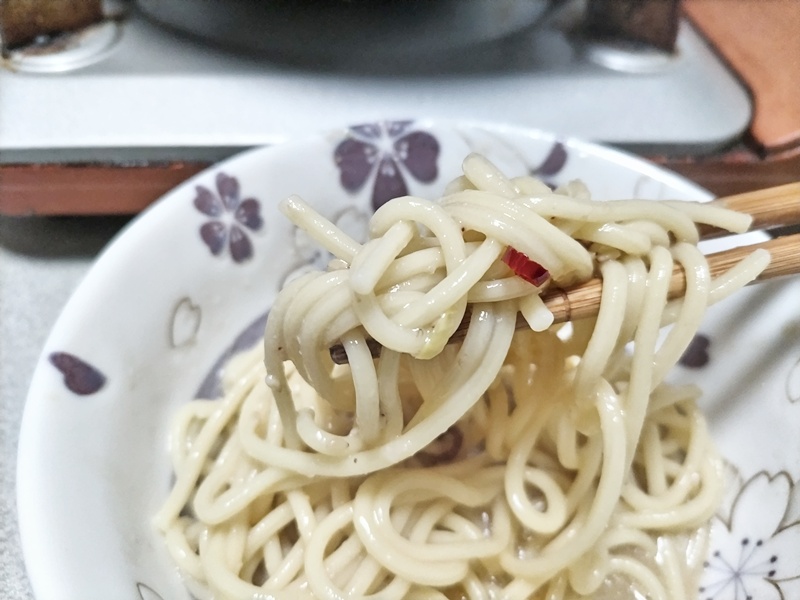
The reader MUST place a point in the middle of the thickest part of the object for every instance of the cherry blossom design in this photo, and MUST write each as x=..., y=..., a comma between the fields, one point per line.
x=391, y=151
x=754, y=554
x=231, y=217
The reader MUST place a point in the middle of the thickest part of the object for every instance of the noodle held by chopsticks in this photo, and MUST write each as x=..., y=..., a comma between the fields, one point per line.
x=553, y=463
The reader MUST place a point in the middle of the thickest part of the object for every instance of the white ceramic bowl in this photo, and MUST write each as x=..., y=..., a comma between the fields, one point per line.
x=169, y=298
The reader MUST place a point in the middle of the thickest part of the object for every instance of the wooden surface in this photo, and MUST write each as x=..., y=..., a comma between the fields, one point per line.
x=760, y=39
x=77, y=189
x=122, y=190
x=737, y=171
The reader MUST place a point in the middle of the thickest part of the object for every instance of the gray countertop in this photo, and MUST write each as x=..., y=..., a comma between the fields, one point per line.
x=42, y=260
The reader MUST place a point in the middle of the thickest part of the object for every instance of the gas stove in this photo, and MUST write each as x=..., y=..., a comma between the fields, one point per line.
x=156, y=95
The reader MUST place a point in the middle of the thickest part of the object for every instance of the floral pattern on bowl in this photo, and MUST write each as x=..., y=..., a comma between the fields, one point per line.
x=389, y=152
x=754, y=550
x=231, y=218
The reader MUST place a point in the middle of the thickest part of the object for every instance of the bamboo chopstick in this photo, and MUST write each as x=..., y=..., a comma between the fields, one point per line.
x=769, y=208
x=584, y=300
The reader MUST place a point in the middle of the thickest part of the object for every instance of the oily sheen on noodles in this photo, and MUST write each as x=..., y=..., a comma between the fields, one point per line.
x=548, y=463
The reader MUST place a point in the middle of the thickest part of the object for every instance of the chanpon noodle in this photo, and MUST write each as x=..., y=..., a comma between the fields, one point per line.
x=551, y=462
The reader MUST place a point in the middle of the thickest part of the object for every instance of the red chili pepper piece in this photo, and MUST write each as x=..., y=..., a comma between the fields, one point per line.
x=524, y=267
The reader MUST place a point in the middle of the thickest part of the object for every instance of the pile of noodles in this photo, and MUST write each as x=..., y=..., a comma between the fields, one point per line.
x=548, y=463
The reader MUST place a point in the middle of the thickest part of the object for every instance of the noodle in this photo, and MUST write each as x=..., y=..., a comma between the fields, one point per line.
x=551, y=463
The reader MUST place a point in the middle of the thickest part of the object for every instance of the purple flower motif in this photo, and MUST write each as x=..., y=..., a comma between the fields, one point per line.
x=231, y=217
x=390, y=150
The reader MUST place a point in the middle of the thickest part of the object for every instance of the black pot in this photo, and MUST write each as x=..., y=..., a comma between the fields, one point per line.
x=326, y=30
